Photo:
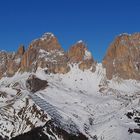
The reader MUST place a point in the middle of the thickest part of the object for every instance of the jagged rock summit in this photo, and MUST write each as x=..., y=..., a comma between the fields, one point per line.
x=46, y=52
x=123, y=57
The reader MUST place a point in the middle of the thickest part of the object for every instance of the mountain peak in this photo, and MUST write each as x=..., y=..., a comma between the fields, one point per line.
x=124, y=34
x=47, y=42
x=47, y=35
x=80, y=42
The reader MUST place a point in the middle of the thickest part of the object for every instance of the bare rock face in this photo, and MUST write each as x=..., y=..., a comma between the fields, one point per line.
x=21, y=51
x=123, y=57
x=45, y=52
x=14, y=64
x=79, y=54
x=49, y=132
x=10, y=62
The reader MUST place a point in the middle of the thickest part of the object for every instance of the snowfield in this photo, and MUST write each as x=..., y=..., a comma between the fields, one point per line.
x=83, y=101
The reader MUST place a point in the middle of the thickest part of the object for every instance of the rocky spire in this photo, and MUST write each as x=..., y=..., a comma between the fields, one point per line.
x=79, y=54
x=21, y=50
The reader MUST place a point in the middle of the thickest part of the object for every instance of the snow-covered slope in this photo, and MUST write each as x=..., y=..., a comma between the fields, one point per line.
x=97, y=106
x=18, y=113
x=81, y=101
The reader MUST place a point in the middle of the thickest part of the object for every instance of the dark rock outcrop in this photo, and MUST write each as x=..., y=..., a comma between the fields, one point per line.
x=135, y=116
x=35, y=84
x=49, y=132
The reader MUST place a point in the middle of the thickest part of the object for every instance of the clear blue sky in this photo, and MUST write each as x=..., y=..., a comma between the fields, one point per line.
x=96, y=22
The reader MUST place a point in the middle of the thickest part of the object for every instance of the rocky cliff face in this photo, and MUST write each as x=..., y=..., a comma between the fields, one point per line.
x=79, y=54
x=14, y=64
x=123, y=57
